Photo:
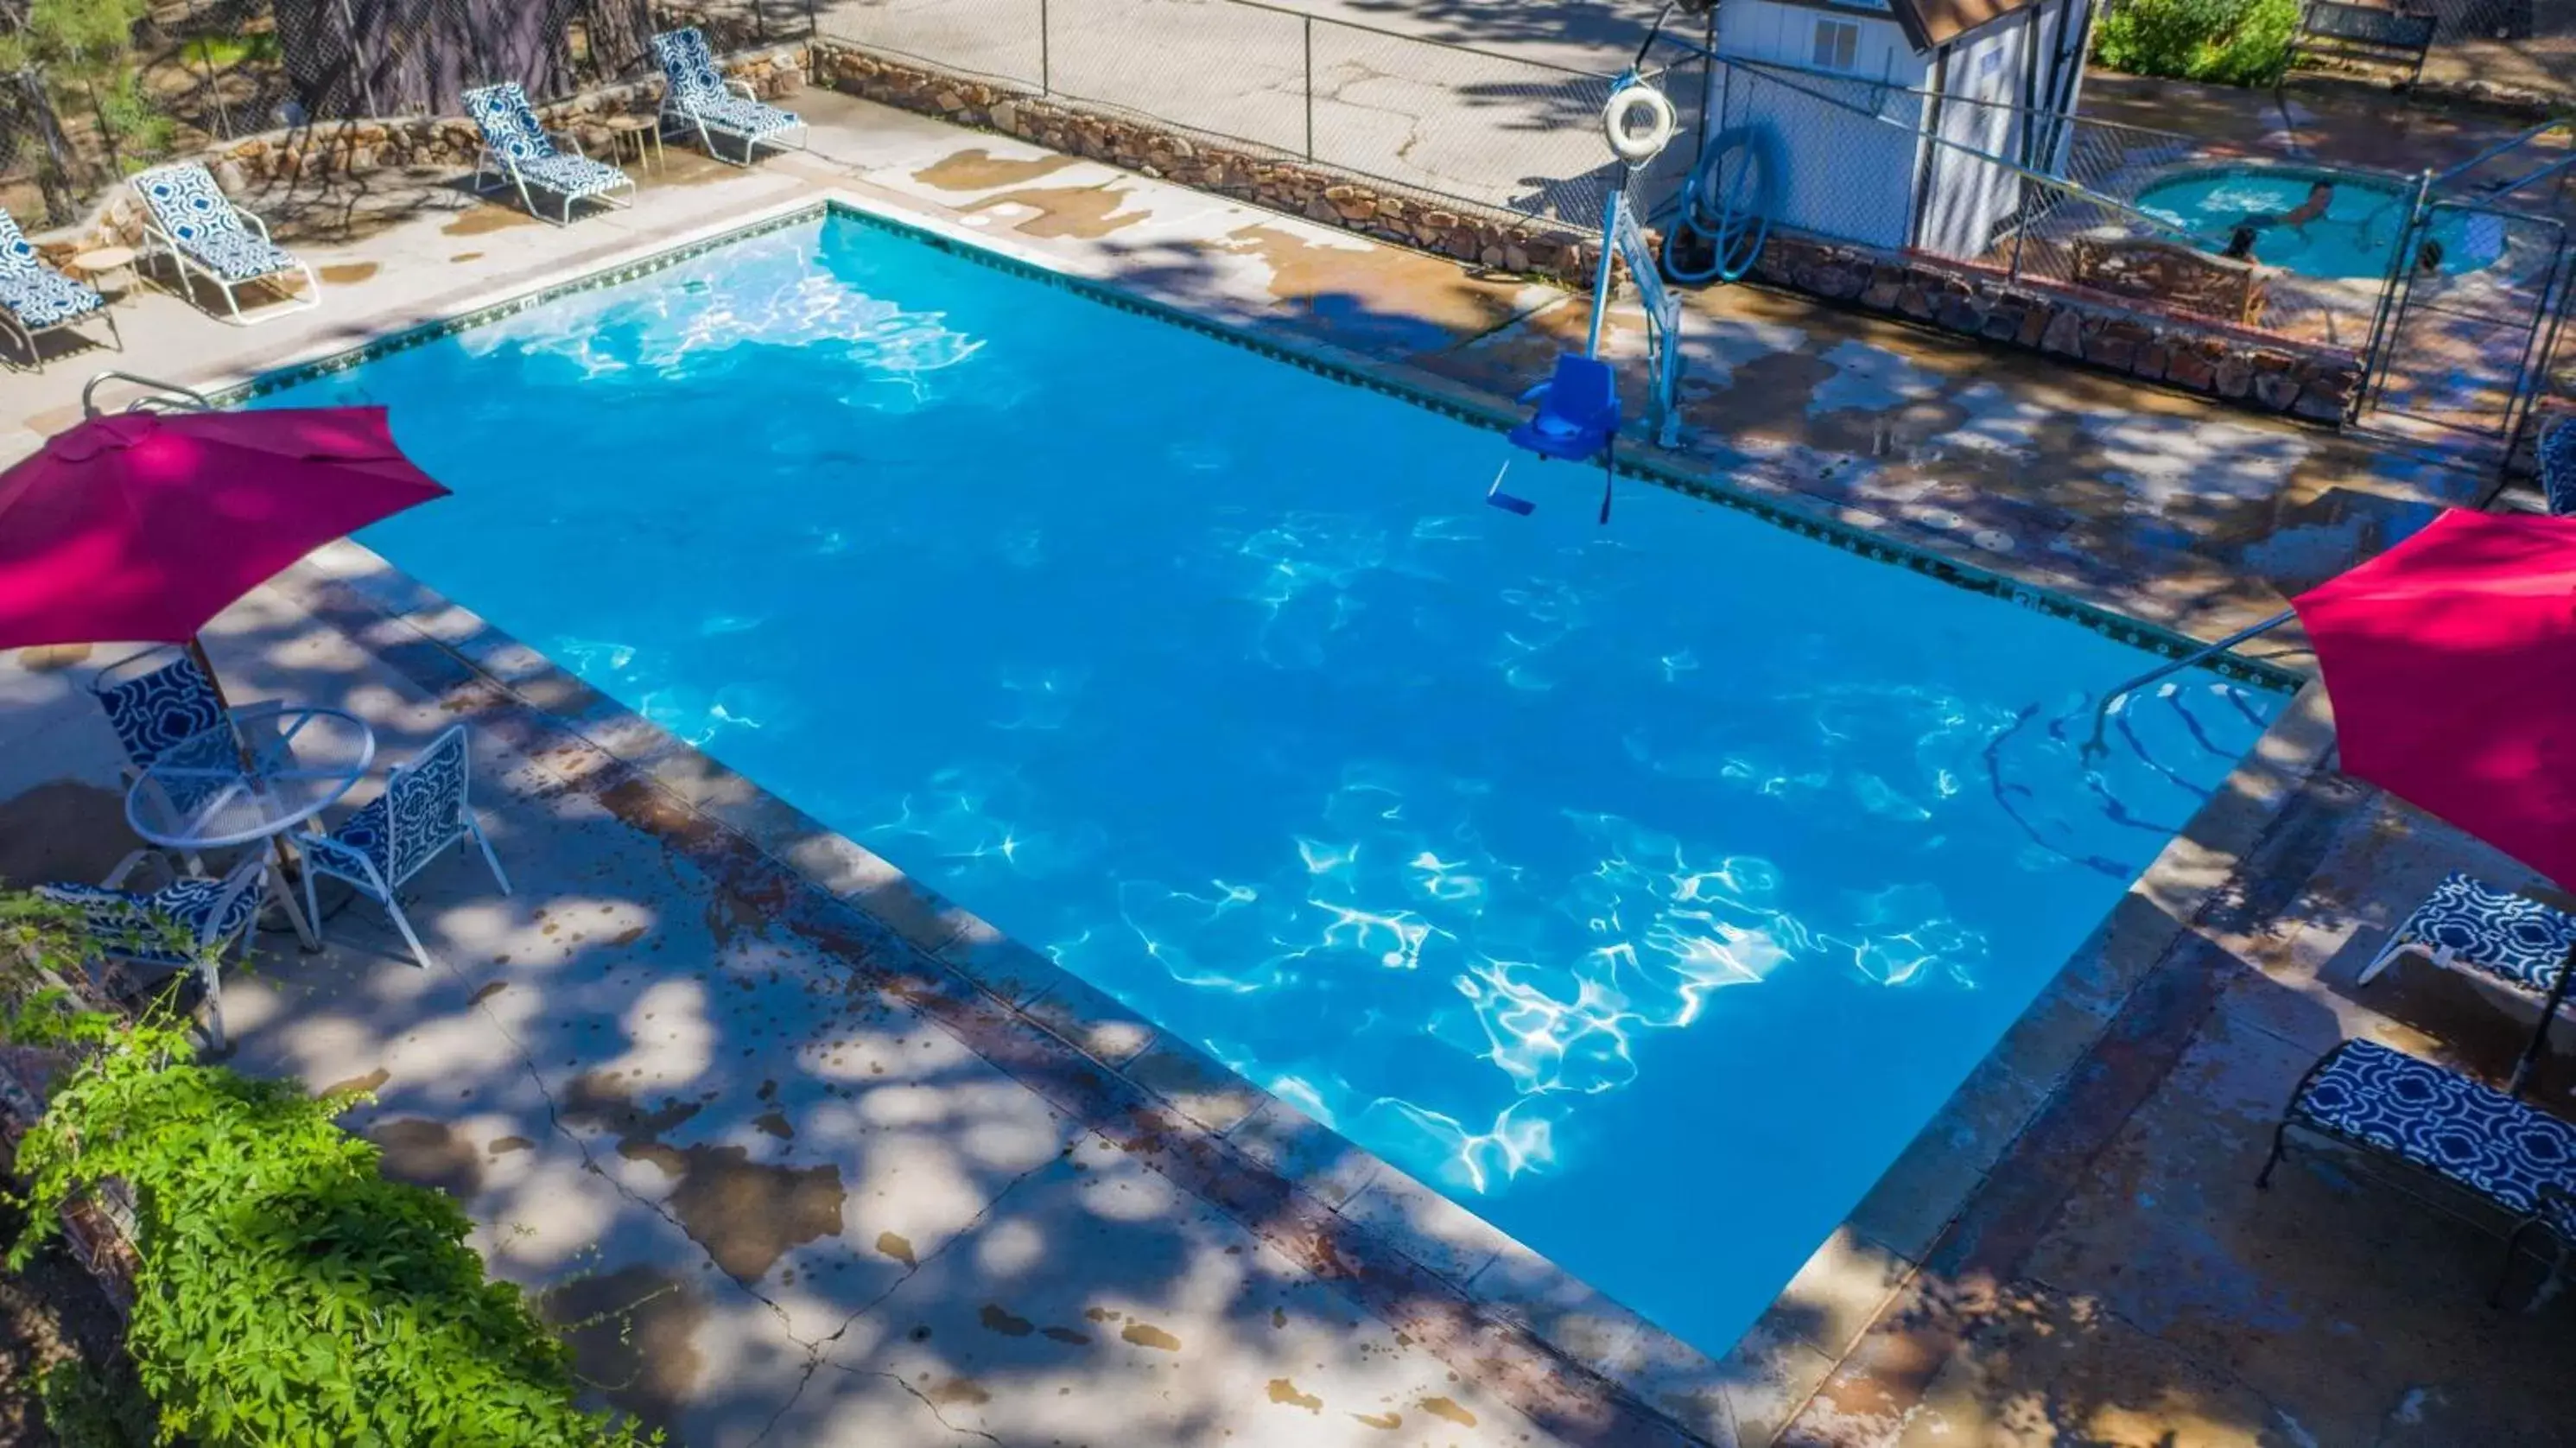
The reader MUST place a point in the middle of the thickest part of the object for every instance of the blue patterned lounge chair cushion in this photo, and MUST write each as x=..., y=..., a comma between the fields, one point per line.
x=47, y=299
x=2461, y=1130
x=698, y=88
x=39, y=296
x=744, y=117
x=508, y=123
x=573, y=175
x=238, y=256
x=187, y=203
x=2467, y=922
x=135, y=926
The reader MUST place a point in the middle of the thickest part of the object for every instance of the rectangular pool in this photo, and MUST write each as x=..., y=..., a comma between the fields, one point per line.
x=1644, y=887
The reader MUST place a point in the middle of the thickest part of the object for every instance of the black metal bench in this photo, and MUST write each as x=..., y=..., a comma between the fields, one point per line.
x=2336, y=31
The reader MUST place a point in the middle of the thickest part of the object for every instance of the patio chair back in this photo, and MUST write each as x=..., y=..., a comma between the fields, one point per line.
x=153, y=711
x=689, y=66
x=18, y=260
x=186, y=201
x=425, y=806
x=508, y=123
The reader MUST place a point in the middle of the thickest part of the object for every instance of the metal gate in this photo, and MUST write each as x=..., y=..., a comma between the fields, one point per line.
x=2470, y=314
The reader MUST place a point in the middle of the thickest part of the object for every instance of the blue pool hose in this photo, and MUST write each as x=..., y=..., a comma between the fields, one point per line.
x=1727, y=209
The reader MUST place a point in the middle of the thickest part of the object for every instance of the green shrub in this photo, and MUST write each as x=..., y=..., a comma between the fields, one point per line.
x=2227, y=42
x=83, y=1412
x=286, y=1293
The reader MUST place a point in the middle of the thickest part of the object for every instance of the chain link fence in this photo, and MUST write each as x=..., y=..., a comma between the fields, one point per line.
x=1504, y=132
x=203, y=71
x=2143, y=216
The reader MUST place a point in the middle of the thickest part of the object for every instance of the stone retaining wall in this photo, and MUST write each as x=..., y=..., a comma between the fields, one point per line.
x=1482, y=239
x=2262, y=373
x=2253, y=371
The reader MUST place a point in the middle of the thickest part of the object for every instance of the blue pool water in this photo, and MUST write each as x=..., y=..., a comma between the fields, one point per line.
x=2351, y=240
x=1646, y=887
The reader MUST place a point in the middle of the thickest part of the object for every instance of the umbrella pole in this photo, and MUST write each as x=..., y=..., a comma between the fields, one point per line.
x=286, y=877
x=2540, y=1034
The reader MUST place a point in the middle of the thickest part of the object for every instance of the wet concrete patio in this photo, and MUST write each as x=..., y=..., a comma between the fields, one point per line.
x=713, y=1083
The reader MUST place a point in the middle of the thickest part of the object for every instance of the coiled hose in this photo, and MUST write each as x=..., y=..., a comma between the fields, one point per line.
x=1726, y=209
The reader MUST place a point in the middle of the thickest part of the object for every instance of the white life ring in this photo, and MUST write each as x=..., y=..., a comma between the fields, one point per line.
x=1629, y=144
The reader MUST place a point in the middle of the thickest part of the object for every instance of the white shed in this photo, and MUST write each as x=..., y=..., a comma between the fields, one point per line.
x=1993, y=76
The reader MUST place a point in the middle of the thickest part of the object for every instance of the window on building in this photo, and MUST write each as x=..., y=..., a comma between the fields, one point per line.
x=1837, y=45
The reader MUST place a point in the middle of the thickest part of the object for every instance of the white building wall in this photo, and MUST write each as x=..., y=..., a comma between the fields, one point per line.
x=1968, y=197
x=1840, y=174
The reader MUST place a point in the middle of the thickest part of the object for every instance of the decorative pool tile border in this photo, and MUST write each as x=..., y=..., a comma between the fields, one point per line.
x=1784, y=506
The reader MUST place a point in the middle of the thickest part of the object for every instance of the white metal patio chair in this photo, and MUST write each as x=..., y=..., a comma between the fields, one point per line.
x=696, y=96
x=36, y=299
x=423, y=810
x=188, y=218
x=519, y=151
x=137, y=926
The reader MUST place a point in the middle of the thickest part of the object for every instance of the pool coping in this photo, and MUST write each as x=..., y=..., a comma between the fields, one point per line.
x=1562, y=1353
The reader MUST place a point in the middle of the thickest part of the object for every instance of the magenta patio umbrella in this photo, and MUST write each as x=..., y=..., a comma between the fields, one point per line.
x=142, y=527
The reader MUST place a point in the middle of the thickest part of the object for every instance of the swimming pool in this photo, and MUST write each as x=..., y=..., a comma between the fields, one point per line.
x=2352, y=239
x=1644, y=887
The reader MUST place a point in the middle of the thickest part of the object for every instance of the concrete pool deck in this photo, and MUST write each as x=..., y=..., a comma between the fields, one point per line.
x=709, y=1081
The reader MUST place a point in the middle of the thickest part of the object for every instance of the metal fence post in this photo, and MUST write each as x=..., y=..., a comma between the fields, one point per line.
x=1046, y=52
x=1308, y=25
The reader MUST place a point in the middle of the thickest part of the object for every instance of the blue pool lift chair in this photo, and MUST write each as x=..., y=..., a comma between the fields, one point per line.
x=697, y=97
x=519, y=151
x=1577, y=419
x=188, y=219
x=422, y=812
x=35, y=298
x=2515, y=1160
x=157, y=927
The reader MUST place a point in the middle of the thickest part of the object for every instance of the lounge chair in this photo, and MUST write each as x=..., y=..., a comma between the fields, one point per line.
x=2466, y=924
x=2517, y=942
x=423, y=810
x=139, y=926
x=518, y=150
x=696, y=96
x=187, y=217
x=35, y=298
x=2557, y=458
x=2513, y=1157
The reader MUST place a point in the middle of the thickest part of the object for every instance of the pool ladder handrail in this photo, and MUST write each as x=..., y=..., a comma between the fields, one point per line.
x=2094, y=747
x=158, y=396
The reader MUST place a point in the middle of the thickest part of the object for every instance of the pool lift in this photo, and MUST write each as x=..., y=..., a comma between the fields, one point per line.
x=1577, y=408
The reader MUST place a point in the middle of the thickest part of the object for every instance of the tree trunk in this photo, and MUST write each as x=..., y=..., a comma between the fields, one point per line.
x=621, y=37
x=58, y=175
x=418, y=57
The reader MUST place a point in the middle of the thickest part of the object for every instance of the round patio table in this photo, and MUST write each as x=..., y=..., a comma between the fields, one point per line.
x=268, y=769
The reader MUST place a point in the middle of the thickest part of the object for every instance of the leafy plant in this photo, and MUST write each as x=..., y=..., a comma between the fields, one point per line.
x=85, y=1413
x=2227, y=42
x=69, y=54
x=286, y=1292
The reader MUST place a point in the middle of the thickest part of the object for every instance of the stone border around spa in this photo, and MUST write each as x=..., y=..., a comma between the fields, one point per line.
x=1750, y=489
x=1561, y=1352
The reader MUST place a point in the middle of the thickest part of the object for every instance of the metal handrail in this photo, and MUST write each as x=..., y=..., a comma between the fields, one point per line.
x=2102, y=712
x=159, y=396
x=2441, y=178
